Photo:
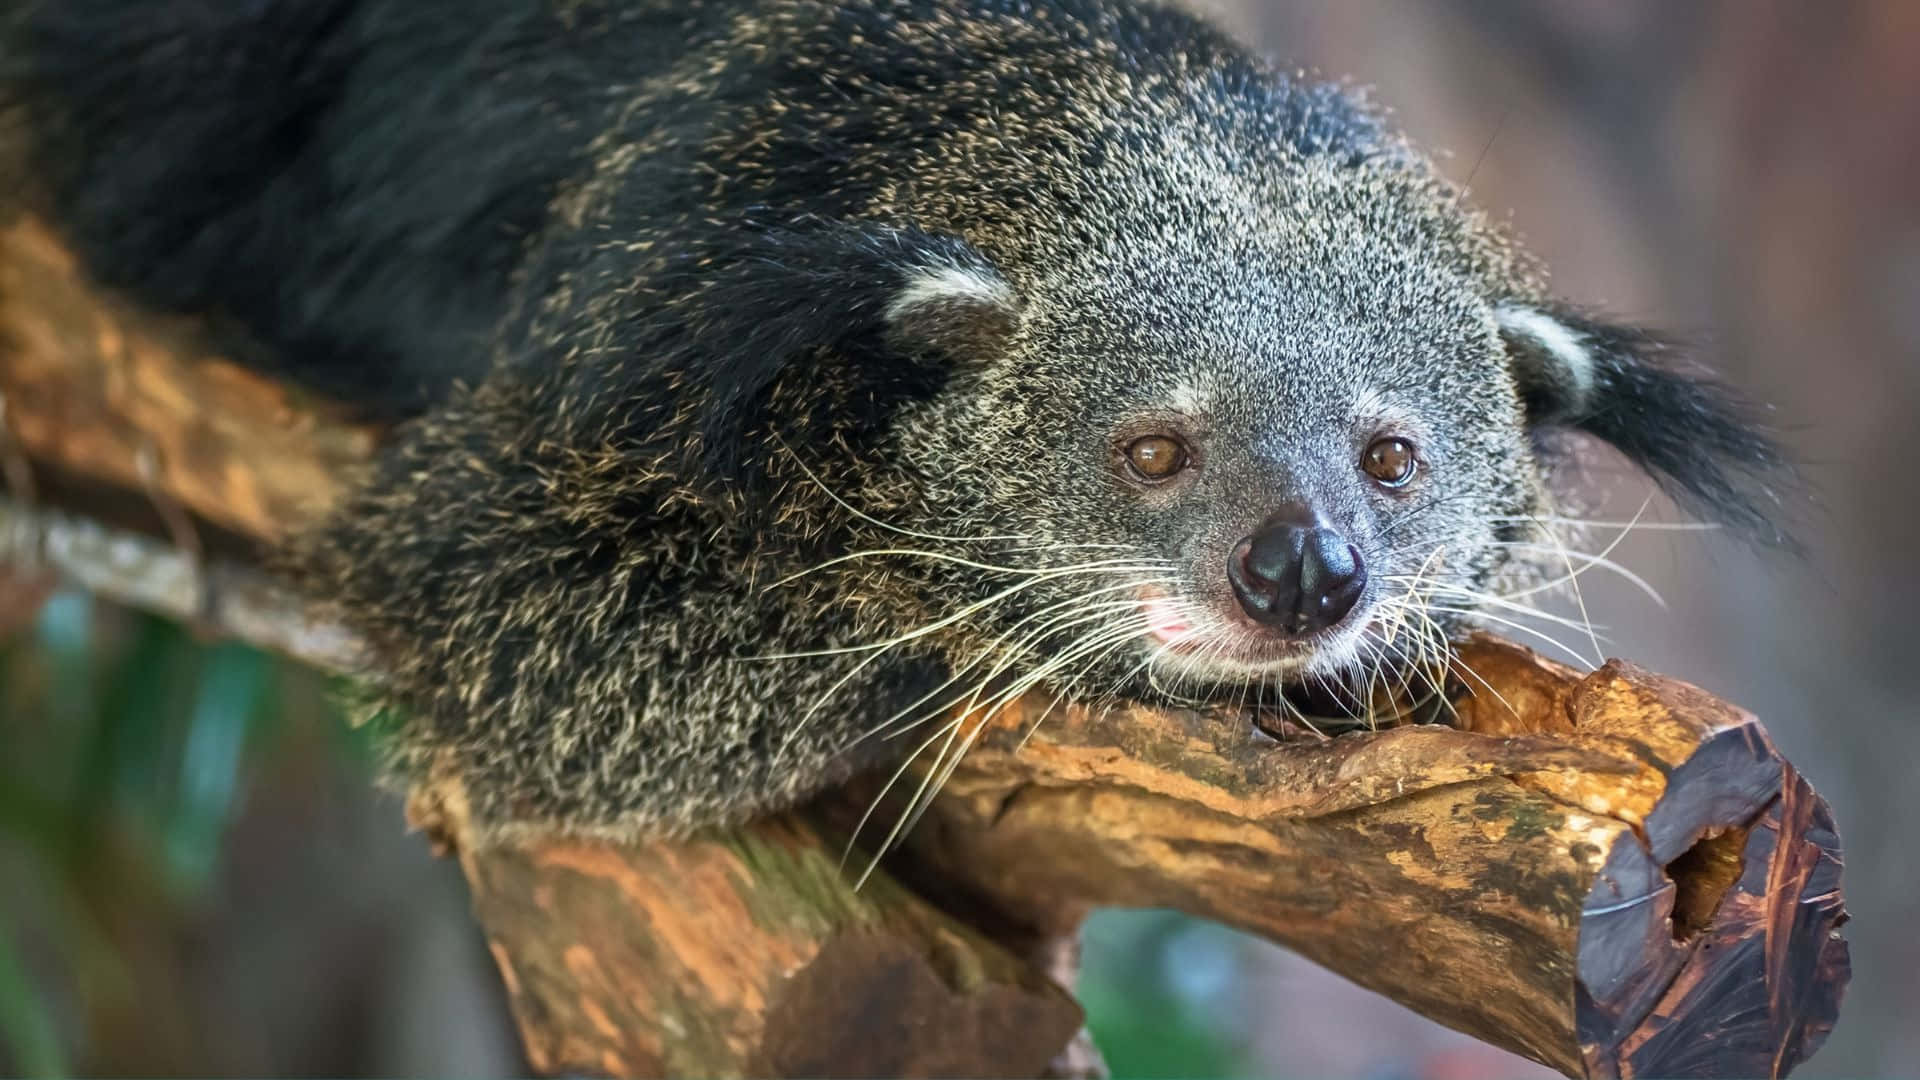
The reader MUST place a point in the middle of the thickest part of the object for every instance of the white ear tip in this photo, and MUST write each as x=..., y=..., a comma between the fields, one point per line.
x=1565, y=345
x=950, y=285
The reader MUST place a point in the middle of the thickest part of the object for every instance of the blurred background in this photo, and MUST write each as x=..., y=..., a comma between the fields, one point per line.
x=196, y=877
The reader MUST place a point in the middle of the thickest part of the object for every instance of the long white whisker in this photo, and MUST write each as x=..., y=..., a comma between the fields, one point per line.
x=1013, y=693
x=1580, y=600
x=1093, y=661
x=820, y=701
x=1461, y=592
x=1654, y=526
x=936, y=556
x=1608, y=550
x=955, y=617
x=948, y=730
x=1078, y=608
x=1587, y=561
x=876, y=522
x=949, y=757
x=1010, y=656
x=1512, y=625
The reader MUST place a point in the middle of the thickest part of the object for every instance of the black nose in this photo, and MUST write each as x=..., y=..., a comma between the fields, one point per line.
x=1296, y=575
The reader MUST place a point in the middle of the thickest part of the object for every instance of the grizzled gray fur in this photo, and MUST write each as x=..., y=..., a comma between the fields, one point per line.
x=779, y=376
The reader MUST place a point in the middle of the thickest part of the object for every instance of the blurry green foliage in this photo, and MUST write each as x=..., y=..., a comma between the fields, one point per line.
x=126, y=740
x=1155, y=986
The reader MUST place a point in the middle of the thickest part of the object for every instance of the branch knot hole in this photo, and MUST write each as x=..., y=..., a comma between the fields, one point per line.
x=1701, y=876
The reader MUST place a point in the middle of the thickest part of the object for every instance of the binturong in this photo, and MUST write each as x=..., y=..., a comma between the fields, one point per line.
x=777, y=379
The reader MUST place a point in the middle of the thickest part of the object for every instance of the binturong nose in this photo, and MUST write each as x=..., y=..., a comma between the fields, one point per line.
x=1295, y=574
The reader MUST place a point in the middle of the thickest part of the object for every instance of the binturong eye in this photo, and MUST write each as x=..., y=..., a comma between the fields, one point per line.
x=1390, y=461
x=1154, y=458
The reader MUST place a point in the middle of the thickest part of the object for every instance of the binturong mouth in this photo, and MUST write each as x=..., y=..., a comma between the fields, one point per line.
x=1289, y=621
x=1288, y=597
x=1334, y=679
x=1213, y=637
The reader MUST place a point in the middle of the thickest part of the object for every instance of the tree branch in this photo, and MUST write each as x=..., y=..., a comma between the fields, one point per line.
x=1614, y=874
x=220, y=598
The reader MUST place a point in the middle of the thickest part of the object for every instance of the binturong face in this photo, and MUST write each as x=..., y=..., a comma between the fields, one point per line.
x=1302, y=473
x=1282, y=448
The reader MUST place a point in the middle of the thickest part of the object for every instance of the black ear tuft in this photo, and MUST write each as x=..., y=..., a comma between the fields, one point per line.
x=840, y=322
x=1621, y=384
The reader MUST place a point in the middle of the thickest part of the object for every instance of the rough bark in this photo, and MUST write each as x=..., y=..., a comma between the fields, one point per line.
x=1590, y=872
x=1614, y=874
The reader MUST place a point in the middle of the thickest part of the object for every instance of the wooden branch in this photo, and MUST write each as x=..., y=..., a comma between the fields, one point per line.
x=218, y=598
x=130, y=399
x=1614, y=874
x=743, y=954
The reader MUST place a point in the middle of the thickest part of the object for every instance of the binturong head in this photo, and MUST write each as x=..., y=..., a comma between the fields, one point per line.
x=1292, y=436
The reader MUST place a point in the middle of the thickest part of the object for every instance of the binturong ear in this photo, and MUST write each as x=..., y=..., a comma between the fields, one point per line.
x=956, y=308
x=829, y=323
x=1620, y=384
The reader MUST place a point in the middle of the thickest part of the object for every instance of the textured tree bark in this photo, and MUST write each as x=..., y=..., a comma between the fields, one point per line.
x=1615, y=874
